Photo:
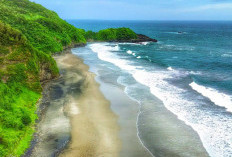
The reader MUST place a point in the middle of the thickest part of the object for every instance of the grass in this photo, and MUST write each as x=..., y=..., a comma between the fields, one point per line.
x=111, y=34
x=29, y=35
x=17, y=117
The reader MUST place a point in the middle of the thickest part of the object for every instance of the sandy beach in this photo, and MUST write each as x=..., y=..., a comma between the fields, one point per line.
x=91, y=116
x=79, y=121
x=94, y=128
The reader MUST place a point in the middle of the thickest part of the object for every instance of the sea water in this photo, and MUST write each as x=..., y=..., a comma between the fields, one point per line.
x=189, y=70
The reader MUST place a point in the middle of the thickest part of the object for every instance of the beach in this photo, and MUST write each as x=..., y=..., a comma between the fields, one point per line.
x=77, y=120
x=147, y=127
x=94, y=126
x=88, y=114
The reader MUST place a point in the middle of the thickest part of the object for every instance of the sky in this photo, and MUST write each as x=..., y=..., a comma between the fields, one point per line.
x=141, y=9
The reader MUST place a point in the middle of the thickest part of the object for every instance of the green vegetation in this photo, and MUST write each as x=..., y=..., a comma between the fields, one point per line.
x=29, y=35
x=111, y=34
x=42, y=27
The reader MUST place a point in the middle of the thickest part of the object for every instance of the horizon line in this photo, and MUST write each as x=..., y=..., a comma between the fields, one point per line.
x=142, y=20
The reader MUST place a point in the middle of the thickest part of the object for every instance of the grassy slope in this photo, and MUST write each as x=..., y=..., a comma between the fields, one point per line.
x=111, y=34
x=29, y=34
x=42, y=27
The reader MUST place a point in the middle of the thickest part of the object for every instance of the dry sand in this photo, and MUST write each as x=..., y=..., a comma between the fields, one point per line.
x=94, y=128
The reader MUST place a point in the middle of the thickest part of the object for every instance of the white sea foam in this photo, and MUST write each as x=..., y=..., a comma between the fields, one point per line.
x=215, y=96
x=139, y=57
x=103, y=53
x=129, y=52
x=227, y=55
x=177, y=47
x=170, y=68
x=195, y=72
x=141, y=43
x=129, y=44
x=215, y=130
x=145, y=43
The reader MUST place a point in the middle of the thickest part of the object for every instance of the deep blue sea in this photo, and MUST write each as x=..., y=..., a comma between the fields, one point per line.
x=189, y=70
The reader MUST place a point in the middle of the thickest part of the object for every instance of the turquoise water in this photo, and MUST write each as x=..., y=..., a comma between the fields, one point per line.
x=190, y=72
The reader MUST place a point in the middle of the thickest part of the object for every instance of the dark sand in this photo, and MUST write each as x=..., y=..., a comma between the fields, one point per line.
x=78, y=110
x=159, y=129
x=94, y=128
x=128, y=110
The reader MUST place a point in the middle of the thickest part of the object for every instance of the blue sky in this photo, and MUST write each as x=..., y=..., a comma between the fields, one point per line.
x=141, y=9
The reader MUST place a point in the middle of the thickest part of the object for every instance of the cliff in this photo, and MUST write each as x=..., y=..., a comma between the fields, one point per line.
x=118, y=35
x=29, y=35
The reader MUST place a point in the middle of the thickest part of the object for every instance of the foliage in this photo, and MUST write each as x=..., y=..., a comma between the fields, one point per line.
x=42, y=27
x=29, y=34
x=17, y=117
x=111, y=34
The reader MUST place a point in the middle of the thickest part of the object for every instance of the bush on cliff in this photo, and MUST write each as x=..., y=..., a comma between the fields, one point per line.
x=29, y=34
x=42, y=27
x=111, y=34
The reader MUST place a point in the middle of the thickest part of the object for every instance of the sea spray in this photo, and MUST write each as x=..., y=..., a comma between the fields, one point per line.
x=178, y=100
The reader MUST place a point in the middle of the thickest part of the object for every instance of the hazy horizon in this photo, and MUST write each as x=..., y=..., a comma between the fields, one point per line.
x=185, y=20
x=174, y=10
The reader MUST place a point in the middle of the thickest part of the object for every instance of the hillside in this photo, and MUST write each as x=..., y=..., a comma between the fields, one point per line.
x=111, y=34
x=42, y=27
x=117, y=35
x=29, y=34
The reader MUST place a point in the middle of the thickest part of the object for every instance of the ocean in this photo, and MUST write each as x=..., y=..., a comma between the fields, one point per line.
x=189, y=70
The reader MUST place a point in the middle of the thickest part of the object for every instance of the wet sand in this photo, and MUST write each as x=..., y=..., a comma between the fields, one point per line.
x=128, y=110
x=79, y=121
x=94, y=128
x=160, y=130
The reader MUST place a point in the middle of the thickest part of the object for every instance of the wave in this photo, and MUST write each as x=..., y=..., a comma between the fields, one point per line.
x=215, y=96
x=227, y=55
x=140, y=43
x=169, y=68
x=129, y=52
x=182, y=102
x=176, y=47
x=145, y=43
x=103, y=53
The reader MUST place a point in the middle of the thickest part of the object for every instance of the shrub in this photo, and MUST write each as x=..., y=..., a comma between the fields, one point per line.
x=111, y=34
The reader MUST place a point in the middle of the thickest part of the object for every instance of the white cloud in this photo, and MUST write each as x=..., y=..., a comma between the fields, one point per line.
x=208, y=7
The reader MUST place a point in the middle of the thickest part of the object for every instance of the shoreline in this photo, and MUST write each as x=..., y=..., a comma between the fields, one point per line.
x=128, y=111
x=75, y=73
x=80, y=90
x=94, y=128
x=159, y=130
x=77, y=86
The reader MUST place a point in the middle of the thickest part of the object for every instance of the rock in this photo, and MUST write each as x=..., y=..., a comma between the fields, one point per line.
x=45, y=73
x=144, y=38
x=141, y=38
